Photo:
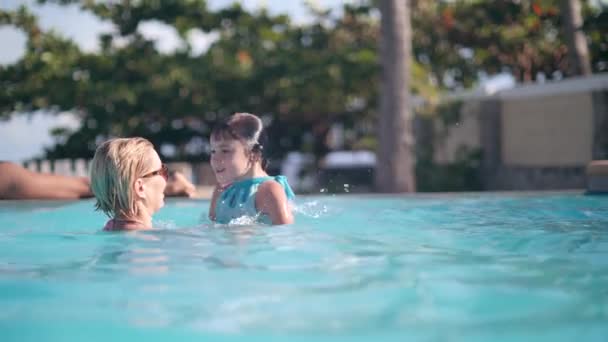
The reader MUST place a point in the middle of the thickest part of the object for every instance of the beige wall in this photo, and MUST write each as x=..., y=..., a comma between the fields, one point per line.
x=543, y=131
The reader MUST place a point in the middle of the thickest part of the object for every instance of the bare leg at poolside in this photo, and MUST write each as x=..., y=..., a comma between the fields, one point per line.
x=18, y=183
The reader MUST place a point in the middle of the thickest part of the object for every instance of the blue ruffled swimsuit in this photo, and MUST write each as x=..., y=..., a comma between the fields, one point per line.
x=238, y=199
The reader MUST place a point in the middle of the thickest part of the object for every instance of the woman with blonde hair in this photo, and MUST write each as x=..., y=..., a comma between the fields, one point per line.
x=128, y=180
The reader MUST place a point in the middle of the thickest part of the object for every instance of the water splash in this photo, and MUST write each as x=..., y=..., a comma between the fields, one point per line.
x=313, y=209
x=162, y=224
x=244, y=220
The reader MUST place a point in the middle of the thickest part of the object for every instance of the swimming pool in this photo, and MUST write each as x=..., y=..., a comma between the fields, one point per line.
x=475, y=267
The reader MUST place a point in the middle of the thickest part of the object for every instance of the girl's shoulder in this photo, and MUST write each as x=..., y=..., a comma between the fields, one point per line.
x=273, y=198
x=270, y=187
x=275, y=185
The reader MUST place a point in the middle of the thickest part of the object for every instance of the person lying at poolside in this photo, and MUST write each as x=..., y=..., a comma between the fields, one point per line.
x=19, y=183
x=128, y=181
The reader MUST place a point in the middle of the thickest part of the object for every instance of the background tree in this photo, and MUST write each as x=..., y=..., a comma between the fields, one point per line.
x=395, y=162
x=578, y=51
x=460, y=41
x=296, y=76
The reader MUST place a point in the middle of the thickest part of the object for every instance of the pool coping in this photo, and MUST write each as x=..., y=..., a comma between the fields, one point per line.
x=512, y=193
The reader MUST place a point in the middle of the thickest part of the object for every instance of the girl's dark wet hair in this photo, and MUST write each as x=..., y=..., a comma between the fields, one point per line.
x=246, y=128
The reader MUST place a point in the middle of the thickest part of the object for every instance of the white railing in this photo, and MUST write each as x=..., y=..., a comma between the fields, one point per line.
x=197, y=173
x=64, y=167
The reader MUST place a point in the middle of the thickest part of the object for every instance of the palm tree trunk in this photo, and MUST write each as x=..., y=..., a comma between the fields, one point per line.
x=395, y=162
x=578, y=52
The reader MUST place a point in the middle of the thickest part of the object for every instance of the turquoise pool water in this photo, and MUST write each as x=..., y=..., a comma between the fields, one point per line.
x=490, y=267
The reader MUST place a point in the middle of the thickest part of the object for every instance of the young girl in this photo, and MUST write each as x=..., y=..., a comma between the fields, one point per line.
x=243, y=186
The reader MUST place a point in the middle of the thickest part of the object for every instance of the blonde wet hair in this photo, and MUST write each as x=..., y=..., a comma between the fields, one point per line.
x=116, y=165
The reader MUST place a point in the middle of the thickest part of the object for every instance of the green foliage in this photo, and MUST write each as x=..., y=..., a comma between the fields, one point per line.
x=596, y=27
x=463, y=174
x=294, y=75
x=460, y=40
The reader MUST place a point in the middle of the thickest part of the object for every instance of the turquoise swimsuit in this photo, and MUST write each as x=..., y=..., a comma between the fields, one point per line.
x=238, y=199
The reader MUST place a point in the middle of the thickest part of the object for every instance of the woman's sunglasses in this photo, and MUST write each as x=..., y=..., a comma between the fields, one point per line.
x=163, y=172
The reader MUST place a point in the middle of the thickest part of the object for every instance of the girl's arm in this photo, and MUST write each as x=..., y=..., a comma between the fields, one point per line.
x=216, y=193
x=272, y=201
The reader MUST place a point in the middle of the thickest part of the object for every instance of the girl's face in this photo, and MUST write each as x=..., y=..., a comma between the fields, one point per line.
x=230, y=160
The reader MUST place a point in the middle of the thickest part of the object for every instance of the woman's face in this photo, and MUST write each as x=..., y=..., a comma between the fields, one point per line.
x=229, y=160
x=154, y=181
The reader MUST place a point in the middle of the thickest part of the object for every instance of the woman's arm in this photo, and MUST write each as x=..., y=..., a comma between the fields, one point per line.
x=272, y=201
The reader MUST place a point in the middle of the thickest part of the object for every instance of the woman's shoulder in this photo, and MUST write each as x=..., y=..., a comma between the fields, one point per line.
x=123, y=225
